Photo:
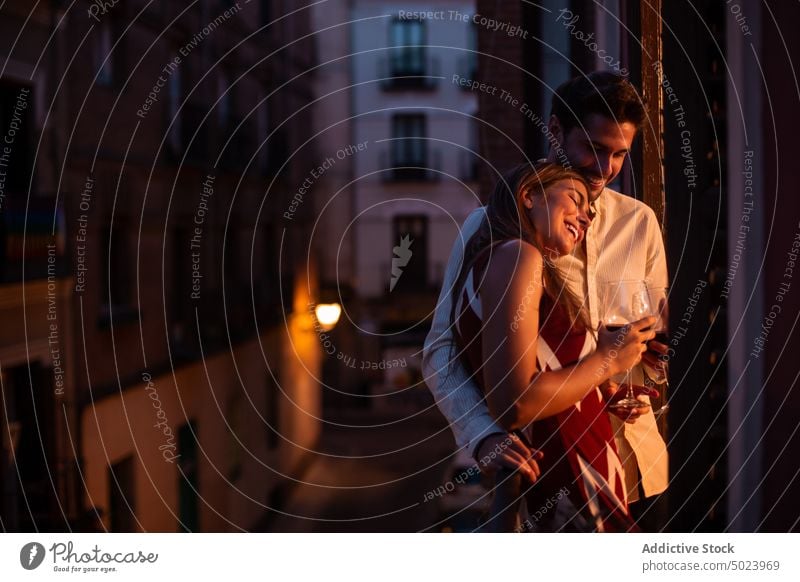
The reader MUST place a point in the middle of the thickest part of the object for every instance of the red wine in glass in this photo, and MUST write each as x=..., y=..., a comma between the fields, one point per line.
x=621, y=303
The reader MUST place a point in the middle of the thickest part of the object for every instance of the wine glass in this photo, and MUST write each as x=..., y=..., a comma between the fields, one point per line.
x=658, y=299
x=622, y=303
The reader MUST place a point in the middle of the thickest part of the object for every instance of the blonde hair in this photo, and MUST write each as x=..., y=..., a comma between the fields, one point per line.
x=507, y=219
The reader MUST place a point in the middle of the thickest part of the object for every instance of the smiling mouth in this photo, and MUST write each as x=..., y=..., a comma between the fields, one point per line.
x=573, y=230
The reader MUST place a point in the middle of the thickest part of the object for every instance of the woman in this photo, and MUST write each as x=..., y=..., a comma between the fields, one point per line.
x=526, y=338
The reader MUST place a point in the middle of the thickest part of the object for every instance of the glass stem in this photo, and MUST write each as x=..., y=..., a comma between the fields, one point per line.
x=630, y=385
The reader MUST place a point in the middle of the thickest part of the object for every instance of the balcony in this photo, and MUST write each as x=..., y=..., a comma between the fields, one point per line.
x=400, y=168
x=409, y=70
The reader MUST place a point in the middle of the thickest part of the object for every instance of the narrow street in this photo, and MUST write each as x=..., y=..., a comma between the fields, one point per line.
x=372, y=479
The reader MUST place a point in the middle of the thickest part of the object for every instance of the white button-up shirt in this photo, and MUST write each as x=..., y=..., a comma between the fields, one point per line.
x=623, y=242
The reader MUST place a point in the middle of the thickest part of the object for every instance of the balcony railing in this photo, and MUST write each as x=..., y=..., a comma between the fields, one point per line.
x=396, y=168
x=398, y=72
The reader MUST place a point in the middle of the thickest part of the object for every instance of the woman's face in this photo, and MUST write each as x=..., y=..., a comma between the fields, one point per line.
x=560, y=216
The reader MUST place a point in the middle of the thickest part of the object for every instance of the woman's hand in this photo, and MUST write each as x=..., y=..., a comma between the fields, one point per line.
x=613, y=392
x=622, y=349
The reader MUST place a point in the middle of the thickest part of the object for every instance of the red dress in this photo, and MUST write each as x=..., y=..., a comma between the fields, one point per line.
x=582, y=484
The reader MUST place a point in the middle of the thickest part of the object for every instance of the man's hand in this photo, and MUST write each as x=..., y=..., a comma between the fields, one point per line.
x=657, y=362
x=508, y=451
x=613, y=392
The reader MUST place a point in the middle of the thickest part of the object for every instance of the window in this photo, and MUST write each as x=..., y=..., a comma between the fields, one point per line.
x=409, y=254
x=122, y=495
x=409, y=143
x=409, y=159
x=407, y=38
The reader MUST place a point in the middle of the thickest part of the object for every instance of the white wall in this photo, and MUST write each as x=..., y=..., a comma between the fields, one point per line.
x=447, y=108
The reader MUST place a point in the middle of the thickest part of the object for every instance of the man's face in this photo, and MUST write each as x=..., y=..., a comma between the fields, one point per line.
x=596, y=150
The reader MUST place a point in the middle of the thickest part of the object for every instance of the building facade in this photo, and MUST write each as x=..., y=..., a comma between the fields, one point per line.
x=414, y=180
x=194, y=391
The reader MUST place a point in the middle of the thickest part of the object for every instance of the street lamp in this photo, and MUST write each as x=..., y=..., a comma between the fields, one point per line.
x=328, y=314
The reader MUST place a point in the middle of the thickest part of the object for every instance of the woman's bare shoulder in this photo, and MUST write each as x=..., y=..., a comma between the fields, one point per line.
x=517, y=254
x=513, y=262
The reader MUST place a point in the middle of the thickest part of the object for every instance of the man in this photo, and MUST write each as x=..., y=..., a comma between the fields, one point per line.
x=593, y=123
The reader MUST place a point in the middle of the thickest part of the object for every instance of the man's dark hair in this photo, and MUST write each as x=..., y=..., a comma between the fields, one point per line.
x=600, y=92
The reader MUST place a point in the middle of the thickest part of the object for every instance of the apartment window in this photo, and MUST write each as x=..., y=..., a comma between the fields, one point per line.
x=409, y=132
x=410, y=253
x=409, y=153
x=122, y=495
x=103, y=57
x=407, y=37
